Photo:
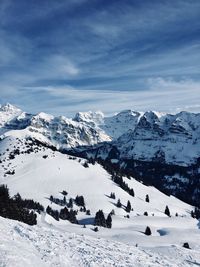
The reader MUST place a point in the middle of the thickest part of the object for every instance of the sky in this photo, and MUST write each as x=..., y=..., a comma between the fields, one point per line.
x=65, y=56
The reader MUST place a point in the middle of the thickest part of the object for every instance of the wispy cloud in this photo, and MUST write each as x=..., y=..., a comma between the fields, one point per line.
x=163, y=95
x=98, y=50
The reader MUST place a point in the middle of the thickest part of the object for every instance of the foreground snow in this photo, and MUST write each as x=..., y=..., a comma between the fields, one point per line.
x=53, y=243
x=41, y=246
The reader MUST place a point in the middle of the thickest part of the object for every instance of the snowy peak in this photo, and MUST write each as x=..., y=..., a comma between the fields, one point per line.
x=9, y=108
x=8, y=113
x=121, y=123
x=90, y=117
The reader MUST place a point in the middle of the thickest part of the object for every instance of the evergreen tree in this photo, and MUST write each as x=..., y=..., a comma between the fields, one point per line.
x=88, y=212
x=79, y=200
x=148, y=231
x=70, y=204
x=100, y=219
x=112, y=195
x=128, y=206
x=131, y=192
x=64, y=214
x=119, y=203
x=145, y=213
x=72, y=216
x=109, y=221
x=147, y=198
x=4, y=193
x=167, y=212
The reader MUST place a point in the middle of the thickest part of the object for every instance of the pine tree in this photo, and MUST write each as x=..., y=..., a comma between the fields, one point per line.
x=64, y=214
x=79, y=200
x=109, y=221
x=131, y=192
x=145, y=213
x=128, y=206
x=148, y=231
x=147, y=198
x=70, y=204
x=88, y=212
x=112, y=195
x=119, y=203
x=167, y=212
x=100, y=219
x=72, y=216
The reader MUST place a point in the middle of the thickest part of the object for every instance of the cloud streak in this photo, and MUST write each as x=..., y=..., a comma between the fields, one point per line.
x=96, y=49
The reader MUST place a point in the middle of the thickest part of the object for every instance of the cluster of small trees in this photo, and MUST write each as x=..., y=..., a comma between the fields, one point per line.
x=61, y=202
x=119, y=180
x=112, y=195
x=79, y=200
x=127, y=207
x=63, y=214
x=67, y=213
x=28, y=203
x=100, y=219
x=16, y=208
x=195, y=213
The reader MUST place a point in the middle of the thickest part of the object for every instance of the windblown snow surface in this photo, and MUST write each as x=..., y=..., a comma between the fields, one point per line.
x=53, y=243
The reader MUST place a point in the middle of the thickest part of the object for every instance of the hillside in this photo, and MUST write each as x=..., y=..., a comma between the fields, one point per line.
x=33, y=165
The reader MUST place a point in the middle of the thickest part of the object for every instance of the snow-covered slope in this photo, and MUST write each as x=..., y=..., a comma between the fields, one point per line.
x=22, y=245
x=42, y=172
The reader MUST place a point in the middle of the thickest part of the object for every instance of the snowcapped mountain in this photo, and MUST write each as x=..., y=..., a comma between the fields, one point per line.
x=145, y=136
x=58, y=131
x=36, y=161
x=150, y=146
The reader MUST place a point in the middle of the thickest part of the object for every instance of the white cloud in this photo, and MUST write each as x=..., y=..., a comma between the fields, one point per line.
x=181, y=96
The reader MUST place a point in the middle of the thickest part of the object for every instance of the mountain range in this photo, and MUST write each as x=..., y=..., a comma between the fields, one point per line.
x=156, y=148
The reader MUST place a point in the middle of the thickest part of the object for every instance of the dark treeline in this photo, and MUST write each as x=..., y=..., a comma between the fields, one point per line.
x=119, y=180
x=16, y=208
x=63, y=214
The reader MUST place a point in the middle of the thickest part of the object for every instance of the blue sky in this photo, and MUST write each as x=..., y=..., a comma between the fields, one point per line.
x=71, y=55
